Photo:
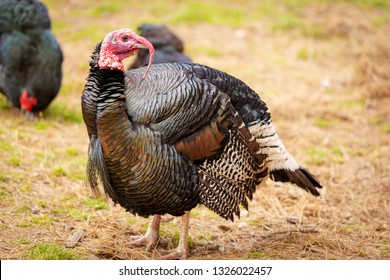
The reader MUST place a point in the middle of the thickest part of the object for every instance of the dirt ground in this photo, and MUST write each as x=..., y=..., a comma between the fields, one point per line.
x=329, y=96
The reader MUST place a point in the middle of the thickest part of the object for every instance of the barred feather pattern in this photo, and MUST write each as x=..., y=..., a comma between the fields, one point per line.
x=230, y=180
x=281, y=165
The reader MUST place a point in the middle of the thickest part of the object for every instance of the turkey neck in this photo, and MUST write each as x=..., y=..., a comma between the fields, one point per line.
x=90, y=93
x=111, y=102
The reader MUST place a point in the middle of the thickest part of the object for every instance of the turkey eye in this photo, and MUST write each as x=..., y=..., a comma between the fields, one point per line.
x=125, y=38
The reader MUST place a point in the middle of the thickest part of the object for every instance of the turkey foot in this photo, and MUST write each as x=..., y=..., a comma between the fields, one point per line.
x=152, y=236
x=181, y=251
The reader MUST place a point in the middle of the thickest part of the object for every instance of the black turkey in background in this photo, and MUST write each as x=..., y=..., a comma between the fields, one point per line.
x=30, y=56
x=168, y=47
x=170, y=136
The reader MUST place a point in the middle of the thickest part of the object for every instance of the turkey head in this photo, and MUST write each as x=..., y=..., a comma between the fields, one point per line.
x=120, y=44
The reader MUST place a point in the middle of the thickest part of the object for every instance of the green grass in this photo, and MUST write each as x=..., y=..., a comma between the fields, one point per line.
x=385, y=250
x=350, y=104
x=72, y=151
x=100, y=9
x=23, y=241
x=210, y=12
x=78, y=214
x=95, y=204
x=176, y=238
x=38, y=220
x=3, y=177
x=323, y=123
x=45, y=251
x=349, y=228
x=3, y=192
x=42, y=125
x=41, y=220
x=59, y=171
x=204, y=236
x=6, y=146
x=320, y=156
x=14, y=160
x=4, y=104
x=370, y=4
x=380, y=121
x=303, y=54
x=60, y=111
x=256, y=255
x=25, y=188
x=385, y=128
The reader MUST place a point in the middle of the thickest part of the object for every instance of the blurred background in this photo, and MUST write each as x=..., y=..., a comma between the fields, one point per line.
x=322, y=67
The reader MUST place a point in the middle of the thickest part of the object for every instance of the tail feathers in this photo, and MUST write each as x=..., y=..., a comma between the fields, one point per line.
x=97, y=170
x=301, y=177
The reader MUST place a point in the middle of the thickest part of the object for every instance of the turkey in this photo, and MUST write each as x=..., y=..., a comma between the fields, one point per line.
x=30, y=56
x=167, y=46
x=167, y=137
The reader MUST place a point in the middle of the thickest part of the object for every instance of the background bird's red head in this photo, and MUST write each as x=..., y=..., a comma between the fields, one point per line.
x=120, y=44
x=27, y=103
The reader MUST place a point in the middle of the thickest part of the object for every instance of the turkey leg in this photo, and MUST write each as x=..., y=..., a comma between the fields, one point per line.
x=151, y=237
x=181, y=251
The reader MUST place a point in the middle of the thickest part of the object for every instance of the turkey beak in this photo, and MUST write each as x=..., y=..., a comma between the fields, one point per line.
x=140, y=46
x=145, y=44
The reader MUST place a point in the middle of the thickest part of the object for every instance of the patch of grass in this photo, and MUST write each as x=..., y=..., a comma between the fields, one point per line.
x=25, y=188
x=14, y=160
x=95, y=204
x=95, y=33
x=370, y=4
x=203, y=235
x=3, y=193
x=131, y=221
x=323, y=123
x=3, y=177
x=303, y=54
x=6, y=146
x=195, y=12
x=255, y=222
x=4, y=104
x=286, y=20
x=176, y=238
x=59, y=171
x=41, y=220
x=101, y=9
x=23, y=240
x=42, y=125
x=362, y=254
x=253, y=255
x=76, y=174
x=381, y=122
x=71, y=151
x=212, y=52
x=319, y=156
x=45, y=251
x=24, y=223
x=385, y=250
x=350, y=104
x=62, y=112
x=76, y=213
x=385, y=128
x=349, y=228
x=24, y=208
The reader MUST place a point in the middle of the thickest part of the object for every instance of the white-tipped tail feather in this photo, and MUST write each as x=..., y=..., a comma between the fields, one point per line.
x=282, y=167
